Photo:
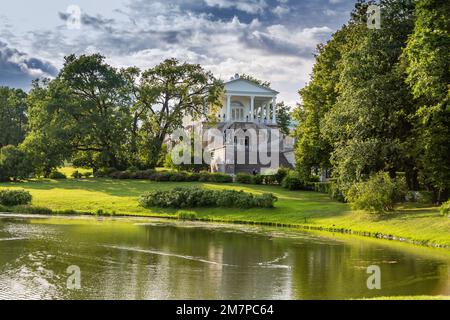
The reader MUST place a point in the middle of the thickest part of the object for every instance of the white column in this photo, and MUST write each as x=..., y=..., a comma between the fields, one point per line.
x=252, y=108
x=228, y=107
x=267, y=113
x=274, y=110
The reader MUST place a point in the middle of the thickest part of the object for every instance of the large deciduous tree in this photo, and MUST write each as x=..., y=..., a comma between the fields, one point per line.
x=428, y=70
x=169, y=92
x=85, y=111
x=13, y=118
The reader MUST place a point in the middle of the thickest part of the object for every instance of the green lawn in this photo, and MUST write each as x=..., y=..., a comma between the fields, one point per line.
x=423, y=224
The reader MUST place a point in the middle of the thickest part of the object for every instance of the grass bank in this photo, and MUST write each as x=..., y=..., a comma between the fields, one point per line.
x=422, y=225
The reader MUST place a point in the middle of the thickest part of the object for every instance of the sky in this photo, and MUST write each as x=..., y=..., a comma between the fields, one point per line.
x=273, y=40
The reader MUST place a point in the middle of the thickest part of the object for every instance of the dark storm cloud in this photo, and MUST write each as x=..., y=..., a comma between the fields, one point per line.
x=18, y=70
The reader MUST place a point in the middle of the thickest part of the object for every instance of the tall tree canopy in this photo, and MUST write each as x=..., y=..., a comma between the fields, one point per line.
x=378, y=99
x=428, y=70
x=169, y=92
x=13, y=117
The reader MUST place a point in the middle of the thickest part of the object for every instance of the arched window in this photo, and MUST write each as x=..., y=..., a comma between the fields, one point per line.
x=237, y=111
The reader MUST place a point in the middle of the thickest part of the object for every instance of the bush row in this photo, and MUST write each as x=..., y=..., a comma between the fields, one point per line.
x=196, y=197
x=277, y=178
x=166, y=176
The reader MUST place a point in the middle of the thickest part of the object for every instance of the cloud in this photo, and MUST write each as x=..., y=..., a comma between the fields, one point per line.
x=18, y=69
x=97, y=22
x=281, y=10
x=271, y=39
x=248, y=6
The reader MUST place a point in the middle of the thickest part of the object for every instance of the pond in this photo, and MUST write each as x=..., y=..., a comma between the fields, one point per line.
x=153, y=259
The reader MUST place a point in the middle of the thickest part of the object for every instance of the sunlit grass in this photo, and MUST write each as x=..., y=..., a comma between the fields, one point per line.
x=423, y=224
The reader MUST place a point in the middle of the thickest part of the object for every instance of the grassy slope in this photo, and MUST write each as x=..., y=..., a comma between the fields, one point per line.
x=421, y=224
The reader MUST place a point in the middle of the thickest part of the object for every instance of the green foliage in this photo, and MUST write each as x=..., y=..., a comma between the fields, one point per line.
x=14, y=163
x=427, y=57
x=187, y=215
x=422, y=197
x=77, y=175
x=31, y=210
x=167, y=93
x=57, y=175
x=445, y=209
x=323, y=187
x=284, y=118
x=378, y=194
x=281, y=174
x=255, y=80
x=13, y=117
x=220, y=178
x=166, y=176
x=195, y=197
x=259, y=179
x=14, y=197
x=293, y=181
x=244, y=178
x=104, y=172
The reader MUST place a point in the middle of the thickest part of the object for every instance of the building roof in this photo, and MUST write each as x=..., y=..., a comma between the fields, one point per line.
x=243, y=86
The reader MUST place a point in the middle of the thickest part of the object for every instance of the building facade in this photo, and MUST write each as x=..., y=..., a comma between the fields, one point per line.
x=248, y=124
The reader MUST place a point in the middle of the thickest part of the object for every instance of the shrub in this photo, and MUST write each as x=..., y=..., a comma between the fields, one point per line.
x=424, y=197
x=178, y=177
x=144, y=174
x=161, y=176
x=192, y=177
x=281, y=174
x=77, y=175
x=244, y=178
x=293, y=181
x=220, y=178
x=270, y=179
x=87, y=175
x=32, y=210
x=336, y=192
x=14, y=197
x=195, y=197
x=258, y=179
x=4, y=209
x=203, y=177
x=187, y=215
x=377, y=195
x=323, y=187
x=57, y=175
x=267, y=200
x=445, y=209
x=104, y=172
x=14, y=163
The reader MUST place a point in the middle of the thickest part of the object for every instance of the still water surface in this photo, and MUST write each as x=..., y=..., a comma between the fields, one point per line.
x=161, y=260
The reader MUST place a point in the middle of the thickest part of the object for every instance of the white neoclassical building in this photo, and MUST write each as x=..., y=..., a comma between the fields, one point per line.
x=246, y=101
x=245, y=105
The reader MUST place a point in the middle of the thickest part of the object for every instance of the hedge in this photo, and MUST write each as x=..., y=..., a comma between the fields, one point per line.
x=165, y=176
x=14, y=197
x=181, y=198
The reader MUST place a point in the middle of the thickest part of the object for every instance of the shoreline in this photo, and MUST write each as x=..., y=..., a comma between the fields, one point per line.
x=212, y=221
